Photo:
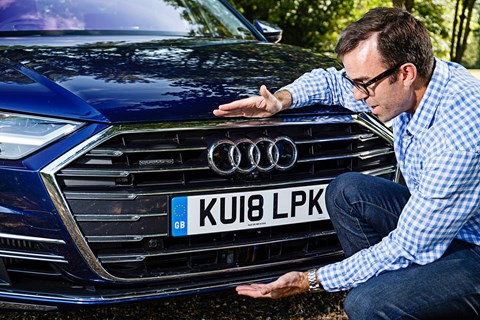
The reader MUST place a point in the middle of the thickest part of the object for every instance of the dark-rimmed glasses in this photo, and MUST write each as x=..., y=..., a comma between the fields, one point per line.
x=363, y=86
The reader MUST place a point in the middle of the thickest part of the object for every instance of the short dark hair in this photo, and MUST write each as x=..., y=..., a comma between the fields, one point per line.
x=401, y=38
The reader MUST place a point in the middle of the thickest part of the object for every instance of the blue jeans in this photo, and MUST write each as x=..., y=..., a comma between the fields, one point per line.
x=363, y=210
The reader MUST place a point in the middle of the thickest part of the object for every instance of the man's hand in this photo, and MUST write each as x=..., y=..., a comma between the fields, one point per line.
x=287, y=285
x=262, y=106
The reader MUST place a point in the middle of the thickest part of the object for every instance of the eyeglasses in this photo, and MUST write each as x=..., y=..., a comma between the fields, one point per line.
x=363, y=86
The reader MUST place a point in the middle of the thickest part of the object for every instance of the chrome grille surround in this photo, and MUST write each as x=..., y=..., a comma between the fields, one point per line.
x=56, y=177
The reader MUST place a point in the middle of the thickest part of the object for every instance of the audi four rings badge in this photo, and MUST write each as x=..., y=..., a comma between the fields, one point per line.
x=244, y=155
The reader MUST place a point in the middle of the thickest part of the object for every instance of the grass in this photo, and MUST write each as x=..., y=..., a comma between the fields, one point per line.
x=475, y=72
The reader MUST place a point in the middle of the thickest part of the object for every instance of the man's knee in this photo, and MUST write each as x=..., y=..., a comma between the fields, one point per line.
x=361, y=304
x=342, y=190
x=357, y=305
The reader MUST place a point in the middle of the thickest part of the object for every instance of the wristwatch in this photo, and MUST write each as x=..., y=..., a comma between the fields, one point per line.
x=313, y=283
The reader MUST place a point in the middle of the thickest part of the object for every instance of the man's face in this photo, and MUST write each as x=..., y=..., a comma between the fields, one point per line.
x=385, y=99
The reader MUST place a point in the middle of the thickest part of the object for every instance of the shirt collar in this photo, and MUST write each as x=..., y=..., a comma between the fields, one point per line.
x=425, y=113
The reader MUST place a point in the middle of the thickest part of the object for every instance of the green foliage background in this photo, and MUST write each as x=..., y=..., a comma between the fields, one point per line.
x=316, y=24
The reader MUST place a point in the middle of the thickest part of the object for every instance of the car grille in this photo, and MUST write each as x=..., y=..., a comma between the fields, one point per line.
x=119, y=193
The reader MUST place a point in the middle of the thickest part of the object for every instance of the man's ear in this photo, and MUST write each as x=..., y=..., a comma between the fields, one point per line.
x=408, y=74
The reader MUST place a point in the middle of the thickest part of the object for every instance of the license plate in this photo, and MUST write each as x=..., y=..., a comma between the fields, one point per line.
x=201, y=214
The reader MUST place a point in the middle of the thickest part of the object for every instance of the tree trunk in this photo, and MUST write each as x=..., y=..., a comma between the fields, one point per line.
x=461, y=29
x=454, y=31
x=404, y=4
x=467, y=31
x=461, y=26
x=409, y=5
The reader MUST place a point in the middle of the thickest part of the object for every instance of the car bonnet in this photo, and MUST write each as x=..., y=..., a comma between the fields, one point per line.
x=120, y=80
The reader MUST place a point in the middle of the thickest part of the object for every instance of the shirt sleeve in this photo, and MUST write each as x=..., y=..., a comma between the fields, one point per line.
x=444, y=201
x=327, y=87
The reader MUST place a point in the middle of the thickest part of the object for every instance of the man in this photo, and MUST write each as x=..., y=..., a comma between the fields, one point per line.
x=411, y=253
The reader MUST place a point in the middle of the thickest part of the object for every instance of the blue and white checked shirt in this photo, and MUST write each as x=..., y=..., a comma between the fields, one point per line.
x=438, y=151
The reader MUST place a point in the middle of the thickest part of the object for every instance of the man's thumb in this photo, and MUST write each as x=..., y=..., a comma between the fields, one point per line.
x=266, y=290
x=264, y=92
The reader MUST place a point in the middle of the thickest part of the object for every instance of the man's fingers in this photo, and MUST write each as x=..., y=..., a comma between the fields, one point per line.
x=254, y=291
x=239, y=104
x=254, y=294
x=289, y=284
x=257, y=287
x=263, y=105
x=233, y=113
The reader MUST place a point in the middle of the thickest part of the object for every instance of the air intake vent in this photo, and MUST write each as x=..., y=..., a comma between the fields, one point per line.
x=27, y=256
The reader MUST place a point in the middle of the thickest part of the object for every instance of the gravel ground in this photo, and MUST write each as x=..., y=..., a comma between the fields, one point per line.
x=218, y=306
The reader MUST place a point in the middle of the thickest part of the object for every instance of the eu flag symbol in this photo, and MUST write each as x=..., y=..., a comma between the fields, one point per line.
x=179, y=216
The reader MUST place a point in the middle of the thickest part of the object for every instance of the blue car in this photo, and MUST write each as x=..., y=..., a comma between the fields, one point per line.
x=118, y=184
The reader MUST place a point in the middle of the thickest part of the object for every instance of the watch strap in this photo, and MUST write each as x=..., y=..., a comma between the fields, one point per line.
x=313, y=283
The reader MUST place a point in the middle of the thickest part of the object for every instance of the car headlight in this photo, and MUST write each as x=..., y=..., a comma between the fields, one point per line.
x=21, y=135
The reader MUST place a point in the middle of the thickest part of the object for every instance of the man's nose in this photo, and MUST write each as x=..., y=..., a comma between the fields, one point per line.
x=359, y=95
